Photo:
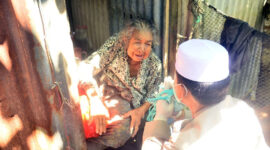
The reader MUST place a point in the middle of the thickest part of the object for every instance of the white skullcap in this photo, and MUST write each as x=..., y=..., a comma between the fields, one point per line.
x=202, y=61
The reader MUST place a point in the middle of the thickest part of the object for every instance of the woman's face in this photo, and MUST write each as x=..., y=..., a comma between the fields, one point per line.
x=140, y=45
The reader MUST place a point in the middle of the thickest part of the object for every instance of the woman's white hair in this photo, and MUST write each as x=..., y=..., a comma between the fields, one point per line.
x=137, y=25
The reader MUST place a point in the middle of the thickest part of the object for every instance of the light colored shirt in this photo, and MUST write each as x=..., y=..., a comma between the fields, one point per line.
x=228, y=125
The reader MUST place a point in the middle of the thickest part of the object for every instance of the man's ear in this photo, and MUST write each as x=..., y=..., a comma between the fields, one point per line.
x=178, y=89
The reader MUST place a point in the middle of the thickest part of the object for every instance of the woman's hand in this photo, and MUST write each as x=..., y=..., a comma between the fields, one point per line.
x=98, y=111
x=100, y=114
x=136, y=116
x=100, y=122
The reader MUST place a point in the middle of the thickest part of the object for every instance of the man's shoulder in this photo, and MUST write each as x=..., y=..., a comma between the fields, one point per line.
x=229, y=109
x=237, y=102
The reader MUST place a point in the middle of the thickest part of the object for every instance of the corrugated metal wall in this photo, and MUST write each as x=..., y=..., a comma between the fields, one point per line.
x=37, y=78
x=90, y=20
x=249, y=11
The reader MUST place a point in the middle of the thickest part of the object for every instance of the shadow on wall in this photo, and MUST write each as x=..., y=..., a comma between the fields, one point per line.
x=24, y=110
x=30, y=117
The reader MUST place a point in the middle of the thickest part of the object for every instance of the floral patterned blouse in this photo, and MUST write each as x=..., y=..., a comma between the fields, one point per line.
x=113, y=63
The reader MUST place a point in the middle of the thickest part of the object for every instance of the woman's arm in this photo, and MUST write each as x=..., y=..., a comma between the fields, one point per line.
x=151, y=86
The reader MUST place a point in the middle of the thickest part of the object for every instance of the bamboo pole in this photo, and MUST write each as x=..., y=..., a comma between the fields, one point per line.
x=166, y=38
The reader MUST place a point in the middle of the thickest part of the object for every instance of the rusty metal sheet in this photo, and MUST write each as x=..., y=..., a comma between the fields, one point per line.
x=34, y=112
x=23, y=106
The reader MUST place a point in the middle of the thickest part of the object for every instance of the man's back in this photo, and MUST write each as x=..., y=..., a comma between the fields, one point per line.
x=231, y=124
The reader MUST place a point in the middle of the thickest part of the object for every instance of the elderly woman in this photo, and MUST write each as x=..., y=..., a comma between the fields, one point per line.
x=127, y=73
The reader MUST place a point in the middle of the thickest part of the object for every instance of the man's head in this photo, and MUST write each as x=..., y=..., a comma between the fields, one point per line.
x=202, y=66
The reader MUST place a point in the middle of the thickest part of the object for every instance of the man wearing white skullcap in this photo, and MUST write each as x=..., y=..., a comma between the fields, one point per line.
x=219, y=122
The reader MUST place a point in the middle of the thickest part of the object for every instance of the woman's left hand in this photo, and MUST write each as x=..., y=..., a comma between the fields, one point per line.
x=136, y=116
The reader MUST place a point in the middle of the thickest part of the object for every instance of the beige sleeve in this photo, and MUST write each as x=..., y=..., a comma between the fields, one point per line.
x=156, y=136
x=158, y=129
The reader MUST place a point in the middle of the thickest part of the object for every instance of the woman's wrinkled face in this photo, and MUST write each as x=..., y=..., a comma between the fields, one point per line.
x=140, y=45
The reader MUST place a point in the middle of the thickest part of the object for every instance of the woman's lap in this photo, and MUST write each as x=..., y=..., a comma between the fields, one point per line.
x=118, y=132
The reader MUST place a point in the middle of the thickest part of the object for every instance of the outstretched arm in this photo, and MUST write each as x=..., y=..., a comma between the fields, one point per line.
x=157, y=132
